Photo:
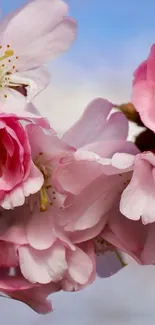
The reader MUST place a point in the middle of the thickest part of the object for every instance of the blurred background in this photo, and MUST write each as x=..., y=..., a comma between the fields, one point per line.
x=114, y=37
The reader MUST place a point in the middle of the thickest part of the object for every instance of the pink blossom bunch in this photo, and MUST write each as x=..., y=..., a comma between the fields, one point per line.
x=65, y=200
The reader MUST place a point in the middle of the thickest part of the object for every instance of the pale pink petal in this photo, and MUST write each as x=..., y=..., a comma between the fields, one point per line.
x=108, y=148
x=123, y=160
x=35, y=81
x=137, y=200
x=87, y=234
x=12, y=102
x=143, y=95
x=13, y=199
x=116, y=128
x=36, y=297
x=80, y=266
x=48, y=143
x=34, y=181
x=97, y=198
x=68, y=283
x=93, y=214
x=77, y=171
x=52, y=44
x=16, y=197
x=46, y=266
x=40, y=233
x=130, y=234
x=43, y=230
x=91, y=125
x=48, y=13
x=33, y=48
x=16, y=105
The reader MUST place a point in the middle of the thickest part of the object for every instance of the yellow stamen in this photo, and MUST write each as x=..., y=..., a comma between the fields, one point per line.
x=44, y=202
x=7, y=54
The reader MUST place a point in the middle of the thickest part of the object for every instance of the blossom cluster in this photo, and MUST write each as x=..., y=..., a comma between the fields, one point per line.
x=63, y=200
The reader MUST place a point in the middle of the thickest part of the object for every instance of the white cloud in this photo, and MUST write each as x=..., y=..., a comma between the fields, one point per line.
x=72, y=88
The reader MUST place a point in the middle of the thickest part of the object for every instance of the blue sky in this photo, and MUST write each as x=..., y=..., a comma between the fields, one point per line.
x=105, y=26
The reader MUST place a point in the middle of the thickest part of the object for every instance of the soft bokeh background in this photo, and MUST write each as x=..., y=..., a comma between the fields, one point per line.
x=114, y=36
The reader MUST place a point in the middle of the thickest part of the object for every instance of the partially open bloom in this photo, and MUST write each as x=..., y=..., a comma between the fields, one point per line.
x=25, y=47
x=143, y=92
x=17, y=169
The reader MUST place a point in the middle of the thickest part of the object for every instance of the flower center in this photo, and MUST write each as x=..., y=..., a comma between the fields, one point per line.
x=47, y=193
x=7, y=67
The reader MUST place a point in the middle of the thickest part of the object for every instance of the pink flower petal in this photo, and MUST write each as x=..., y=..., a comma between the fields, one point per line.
x=143, y=96
x=36, y=297
x=68, y=283
x=38, y=42
x=46, y=266
x=93, y=214
x=140, y=74
x=40, y=233
x=77, y=171
x=112, y=129
x=8, y=255
x=48, y=143
x=131, y=234
x=35, y=80
x=123, y=160
x=151, y=65
x=80, y=266
x=91, y=125
x=34, y=181
x=14, y=103
x=87, y=234
x=137, y=200
x=110, y=147
x=13, y=199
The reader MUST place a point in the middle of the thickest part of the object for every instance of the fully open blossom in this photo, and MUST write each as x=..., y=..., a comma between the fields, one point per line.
x=54, y=231
x=19, y=176
x=137, y=201
x=29, y=37
x=143, y=92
